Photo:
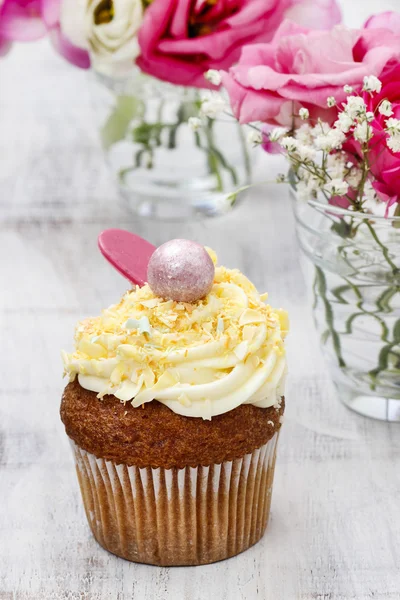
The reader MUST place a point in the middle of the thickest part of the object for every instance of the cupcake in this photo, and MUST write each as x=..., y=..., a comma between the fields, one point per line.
x=173, y=408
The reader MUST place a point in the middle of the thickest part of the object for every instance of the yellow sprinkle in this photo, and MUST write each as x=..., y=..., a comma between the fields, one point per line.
x=284, y=321
x=251, y=316
x=93, y=350
x=129, y=351
x=117, y=374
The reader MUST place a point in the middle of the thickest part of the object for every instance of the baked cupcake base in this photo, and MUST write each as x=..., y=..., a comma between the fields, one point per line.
x=165, y=489
x=178, y=516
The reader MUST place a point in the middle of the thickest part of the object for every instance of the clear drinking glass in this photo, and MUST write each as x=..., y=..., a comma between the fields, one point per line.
x=352, y=266
x=166, y=170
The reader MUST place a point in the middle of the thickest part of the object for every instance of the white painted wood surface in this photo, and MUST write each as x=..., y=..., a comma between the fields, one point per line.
x=335, y=527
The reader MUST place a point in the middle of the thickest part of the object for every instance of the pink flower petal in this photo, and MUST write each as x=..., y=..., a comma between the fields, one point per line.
x=76, y=56
x=315, y=14
x=386, y=20
x=21, y=21
x=171, y=50
x=50, y=10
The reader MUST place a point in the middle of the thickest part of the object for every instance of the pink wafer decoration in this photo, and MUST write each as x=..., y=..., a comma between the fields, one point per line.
x=128, y=253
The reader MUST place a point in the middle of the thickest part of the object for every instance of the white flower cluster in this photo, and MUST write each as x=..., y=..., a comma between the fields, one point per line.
x=212, y=105
x=393, y=129
x=316, y=153
x=213, y=76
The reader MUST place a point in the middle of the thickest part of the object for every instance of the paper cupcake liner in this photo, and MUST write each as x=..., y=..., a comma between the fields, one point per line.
x=186, y=516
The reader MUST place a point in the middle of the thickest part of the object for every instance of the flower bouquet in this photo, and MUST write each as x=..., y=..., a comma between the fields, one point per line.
x=330, y=102
x=149, y=58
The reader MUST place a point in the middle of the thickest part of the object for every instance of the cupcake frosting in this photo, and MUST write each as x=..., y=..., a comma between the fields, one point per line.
x=200, y=359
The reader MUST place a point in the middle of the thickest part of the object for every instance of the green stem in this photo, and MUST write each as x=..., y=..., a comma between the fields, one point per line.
x=329, y=316
x=247, y=163
x=385, y=250
x=213, y=162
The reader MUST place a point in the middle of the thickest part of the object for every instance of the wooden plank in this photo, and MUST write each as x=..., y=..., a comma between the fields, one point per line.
x=335, y=527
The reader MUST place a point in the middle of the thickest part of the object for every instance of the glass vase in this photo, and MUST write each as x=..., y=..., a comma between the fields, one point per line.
x=352, y=265
x=164, y=169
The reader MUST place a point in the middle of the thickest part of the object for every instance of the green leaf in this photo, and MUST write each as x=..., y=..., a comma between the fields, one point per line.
x=345, y=230
x=329, y=316
x=116, y=127
x=396, y=331
x=325, y=337
x=338, y=291
x=383, y=302
x=383, y=360
x=172, y=137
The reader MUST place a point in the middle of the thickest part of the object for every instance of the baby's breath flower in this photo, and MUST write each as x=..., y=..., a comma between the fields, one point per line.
x=194, y=123
x=321, y=127
x=213, y=76
x=393, y=126
x=372, y=84
x=337, y=137
x=212, y=106
x=323, y=142
x=308, y=189
x=254, y=137
x=393, y=143
x=331, y=101
x=330, y=141
x=304, y=114
x=363, y=132
x=369, y=116
x=281, y=178
x=393, y=129
x=348, y=89
x=278, y=133
x=344, y=122
x=304, y=134
x=369, y=192
x=385, y=108
x=354, y=107
x=289, y=143
x=306, y=153
x=302, y=191
x=337, y=187
x=336, y=165
x=354, y=177
x=371, y=201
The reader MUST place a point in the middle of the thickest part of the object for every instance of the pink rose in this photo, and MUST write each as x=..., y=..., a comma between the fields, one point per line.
x=385, y=20
x=303, y=68
x=180, y=41
x=29, y=20
x=385, y=164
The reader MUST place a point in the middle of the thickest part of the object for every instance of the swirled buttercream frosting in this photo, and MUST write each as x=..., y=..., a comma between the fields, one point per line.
x=200, y=359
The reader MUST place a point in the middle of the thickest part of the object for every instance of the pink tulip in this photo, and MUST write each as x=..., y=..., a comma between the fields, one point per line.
x=181, y=53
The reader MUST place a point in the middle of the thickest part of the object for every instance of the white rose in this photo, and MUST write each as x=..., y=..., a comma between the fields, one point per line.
x=107, y=29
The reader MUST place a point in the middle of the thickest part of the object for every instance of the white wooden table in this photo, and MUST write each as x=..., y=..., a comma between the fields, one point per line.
x=335, y=527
